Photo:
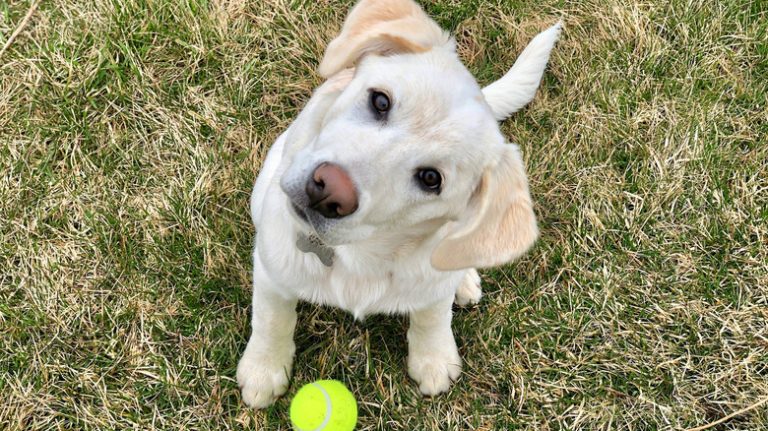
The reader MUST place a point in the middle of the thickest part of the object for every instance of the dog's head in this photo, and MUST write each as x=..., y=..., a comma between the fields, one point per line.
x=401, y=142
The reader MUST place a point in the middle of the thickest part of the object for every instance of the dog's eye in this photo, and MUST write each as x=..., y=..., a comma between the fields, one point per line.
x=429, y=179
x=380, y=102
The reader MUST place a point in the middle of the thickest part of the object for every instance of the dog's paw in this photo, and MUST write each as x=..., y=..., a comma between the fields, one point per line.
x=434, y=371
x=469, y=291
x=262, y=379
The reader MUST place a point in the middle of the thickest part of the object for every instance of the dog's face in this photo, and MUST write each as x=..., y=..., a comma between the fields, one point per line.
x=404, y=142
x=413, y=133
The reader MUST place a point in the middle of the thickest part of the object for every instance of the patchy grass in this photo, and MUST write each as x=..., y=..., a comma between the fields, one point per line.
x=132, y=130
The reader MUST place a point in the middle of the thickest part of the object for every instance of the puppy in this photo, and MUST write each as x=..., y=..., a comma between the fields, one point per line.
x=392, y=185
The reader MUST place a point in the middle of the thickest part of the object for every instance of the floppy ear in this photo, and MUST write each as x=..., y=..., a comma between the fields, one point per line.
x=499, y=224
x=382, y=27
x=518, y=86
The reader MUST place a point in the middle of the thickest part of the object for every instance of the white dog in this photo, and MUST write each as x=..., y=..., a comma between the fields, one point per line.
x=389, y=189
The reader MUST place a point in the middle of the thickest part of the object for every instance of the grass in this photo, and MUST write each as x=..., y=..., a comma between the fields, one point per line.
x=132, y=130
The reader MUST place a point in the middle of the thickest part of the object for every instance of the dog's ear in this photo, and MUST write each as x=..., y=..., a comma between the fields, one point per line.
x=382, y=27
x=518, y=86
x=499, y=224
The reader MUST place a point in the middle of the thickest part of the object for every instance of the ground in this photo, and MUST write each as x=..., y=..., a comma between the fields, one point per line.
x=132, y=130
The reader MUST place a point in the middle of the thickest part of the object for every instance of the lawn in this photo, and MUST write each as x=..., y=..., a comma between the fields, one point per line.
x=131, y=132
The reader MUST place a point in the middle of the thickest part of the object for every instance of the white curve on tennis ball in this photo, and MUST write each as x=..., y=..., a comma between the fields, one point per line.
x=328, y=406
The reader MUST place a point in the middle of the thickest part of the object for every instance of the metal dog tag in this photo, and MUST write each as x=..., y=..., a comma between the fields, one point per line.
x=312, y=244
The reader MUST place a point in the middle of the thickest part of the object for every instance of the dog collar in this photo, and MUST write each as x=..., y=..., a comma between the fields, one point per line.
x=312, y=244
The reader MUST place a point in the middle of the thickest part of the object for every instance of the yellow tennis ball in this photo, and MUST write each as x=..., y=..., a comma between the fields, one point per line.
x=324, y=405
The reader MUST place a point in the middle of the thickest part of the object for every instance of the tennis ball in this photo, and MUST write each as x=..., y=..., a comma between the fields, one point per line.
x=324, y=405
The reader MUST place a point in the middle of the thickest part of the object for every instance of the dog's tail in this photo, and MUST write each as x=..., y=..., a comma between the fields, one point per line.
x=518, y=86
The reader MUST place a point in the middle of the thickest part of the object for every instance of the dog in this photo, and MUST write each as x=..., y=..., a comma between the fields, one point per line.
x=387, y=192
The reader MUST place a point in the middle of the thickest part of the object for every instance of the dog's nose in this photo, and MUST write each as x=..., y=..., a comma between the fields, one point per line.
x=331, y=192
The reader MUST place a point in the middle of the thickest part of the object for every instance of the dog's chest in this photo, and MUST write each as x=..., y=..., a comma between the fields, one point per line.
x=361, y=280
x=355, y=285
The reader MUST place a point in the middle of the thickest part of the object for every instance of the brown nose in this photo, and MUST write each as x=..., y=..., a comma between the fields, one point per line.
x=331, y=192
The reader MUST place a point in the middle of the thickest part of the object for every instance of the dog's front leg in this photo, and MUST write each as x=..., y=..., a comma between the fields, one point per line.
x=433, y=359
x=265, y=367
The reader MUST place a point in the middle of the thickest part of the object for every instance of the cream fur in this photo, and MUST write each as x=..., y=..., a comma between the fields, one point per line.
x=403, y=250
x=500, y=225
x=381, y=27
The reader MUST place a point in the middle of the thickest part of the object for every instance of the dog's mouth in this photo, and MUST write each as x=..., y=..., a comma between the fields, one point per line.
x=308, y=222
x=300, y=212
x=311, y=223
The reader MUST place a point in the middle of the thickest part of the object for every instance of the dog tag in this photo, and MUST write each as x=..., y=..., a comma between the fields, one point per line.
x=312, y=244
